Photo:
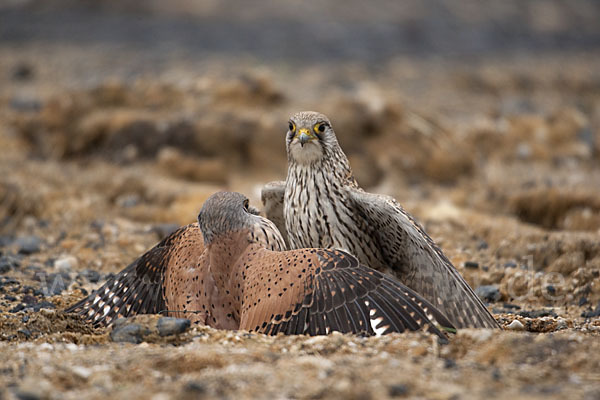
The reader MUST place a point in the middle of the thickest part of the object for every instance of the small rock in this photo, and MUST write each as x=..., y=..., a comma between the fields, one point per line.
x=583, y=301
x=27, y=395
x=25, y=104
x=6, y=240
x=29, y=244
x=65, y=264
x=25, y=332
x=7, y=263
x=510, y=264
x=127, y=332
x=398, y=390
x=561, y=323
x=195, y=387
x=471, y=264
x=91, y=275
x=482, y=245
x=171, y=326
x=516, y=325
x=22, y=72
x=44, y=304
x=29, y=299
x=592, y=313
x=537, y=313
x=496, y=374
x=128, y=200
x=488, y=293
x=16, y=309
x=82, y=372
x=449, y=363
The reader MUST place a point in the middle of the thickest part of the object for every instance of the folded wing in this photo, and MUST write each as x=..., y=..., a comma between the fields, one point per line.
x=417, y=261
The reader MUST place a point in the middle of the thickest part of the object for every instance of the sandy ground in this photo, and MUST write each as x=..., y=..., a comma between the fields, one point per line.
x=498, y=155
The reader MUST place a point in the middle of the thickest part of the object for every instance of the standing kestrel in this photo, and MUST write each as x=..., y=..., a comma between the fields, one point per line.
x=237, y=280
x=321, y=205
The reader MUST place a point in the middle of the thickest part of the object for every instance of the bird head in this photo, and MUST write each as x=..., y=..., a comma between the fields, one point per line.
x=310, y=137
x=225, y=212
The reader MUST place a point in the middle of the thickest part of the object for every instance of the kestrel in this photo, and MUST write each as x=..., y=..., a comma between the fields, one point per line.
x=321, y=205
x=230, y=268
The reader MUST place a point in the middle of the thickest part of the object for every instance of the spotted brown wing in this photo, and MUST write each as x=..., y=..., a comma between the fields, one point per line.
x=320, y=291
x=137, y=289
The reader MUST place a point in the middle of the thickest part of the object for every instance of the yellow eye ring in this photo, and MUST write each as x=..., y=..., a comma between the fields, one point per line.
x=319, y=128
x=292, y=126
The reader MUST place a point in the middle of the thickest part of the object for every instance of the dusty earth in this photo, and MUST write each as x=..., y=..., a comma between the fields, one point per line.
x=104, y=150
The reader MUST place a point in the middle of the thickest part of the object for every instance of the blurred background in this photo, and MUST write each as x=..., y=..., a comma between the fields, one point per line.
x=119, y=118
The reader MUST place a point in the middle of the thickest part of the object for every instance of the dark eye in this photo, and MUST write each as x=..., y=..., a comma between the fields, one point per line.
x=246, y=204
x=292, y=127
x=319, y=128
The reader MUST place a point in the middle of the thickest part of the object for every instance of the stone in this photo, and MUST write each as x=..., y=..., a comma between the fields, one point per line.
x=537, y=313
x=488, y=293
x=471, y=264
x=516, y=325
x=67, y=264
x=44, y=304
x=28, y=244
x=592, y=313
x=194, y=387
x=171, y=326
x=127, y=332
x=398, y=390
x=8, y=262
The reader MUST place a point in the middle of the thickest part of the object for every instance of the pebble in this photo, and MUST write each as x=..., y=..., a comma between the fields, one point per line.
x=81, y=372
x=22, y=72
x=471, y=264
x=195, y=387
x=516, y=325
x=128, y=332
x=26, y=332
x=44, y=304
x=171, y=326
x=537, y=313
x=488, y=293
x=8, y=262
x=592, y=313
x=398, y=390
x=29, y=244
x=26, y=395
x=5, y=240
x=66, y=264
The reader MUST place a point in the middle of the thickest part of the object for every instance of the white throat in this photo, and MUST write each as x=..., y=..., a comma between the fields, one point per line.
x=308, y=154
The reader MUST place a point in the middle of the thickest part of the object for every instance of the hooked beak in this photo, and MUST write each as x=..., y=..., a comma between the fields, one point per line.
x=304, y=136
